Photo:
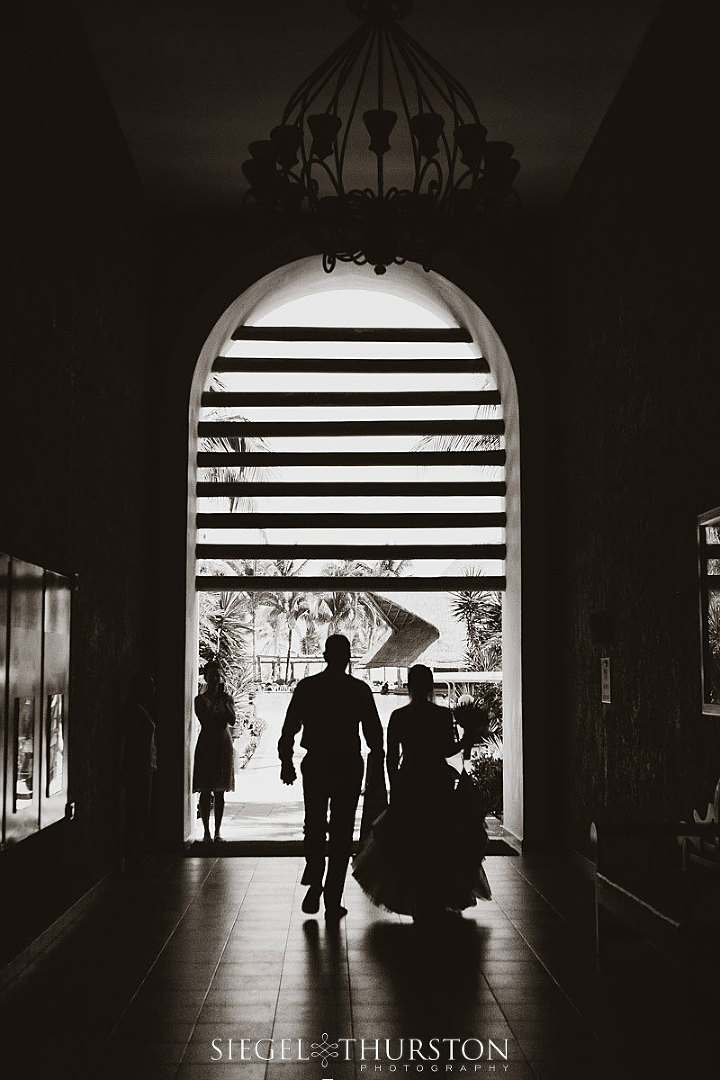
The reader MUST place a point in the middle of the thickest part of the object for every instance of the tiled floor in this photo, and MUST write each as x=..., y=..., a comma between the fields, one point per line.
x=218, y=949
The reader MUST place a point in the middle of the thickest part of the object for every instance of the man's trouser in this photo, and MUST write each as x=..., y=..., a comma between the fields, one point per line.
x=331, y=791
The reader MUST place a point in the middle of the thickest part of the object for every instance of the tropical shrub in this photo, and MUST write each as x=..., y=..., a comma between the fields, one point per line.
x=480, y=612
x=487, y=774
x=480, y=716
x=247, y=739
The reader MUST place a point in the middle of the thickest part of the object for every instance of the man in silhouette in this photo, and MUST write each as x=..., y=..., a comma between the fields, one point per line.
x=330, y=708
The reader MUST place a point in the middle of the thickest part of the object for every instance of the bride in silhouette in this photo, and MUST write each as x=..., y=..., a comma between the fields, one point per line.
x=424, y=854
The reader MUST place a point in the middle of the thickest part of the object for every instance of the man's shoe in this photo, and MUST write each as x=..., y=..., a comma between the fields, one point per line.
x=335, y=914
x=311, y=903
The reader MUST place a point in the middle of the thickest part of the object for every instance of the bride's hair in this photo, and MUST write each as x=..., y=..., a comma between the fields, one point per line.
x=420, y=683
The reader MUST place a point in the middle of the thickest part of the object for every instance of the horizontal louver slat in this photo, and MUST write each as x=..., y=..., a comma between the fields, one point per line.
x=372, y=458
x=353, y=551
x=225, y=399
x=348, y=584
x=340, y=428
x=349, y=488
x=415, y=335
x=348, y=365
x=262, y=520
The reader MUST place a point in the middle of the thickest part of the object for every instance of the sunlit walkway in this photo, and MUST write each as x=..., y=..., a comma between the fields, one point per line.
x=262, y=808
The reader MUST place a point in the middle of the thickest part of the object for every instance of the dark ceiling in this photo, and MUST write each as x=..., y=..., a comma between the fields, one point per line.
x=194, y=81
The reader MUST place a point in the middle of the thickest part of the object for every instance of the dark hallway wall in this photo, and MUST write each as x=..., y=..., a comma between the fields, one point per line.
x=640, y=378
x=74, y=442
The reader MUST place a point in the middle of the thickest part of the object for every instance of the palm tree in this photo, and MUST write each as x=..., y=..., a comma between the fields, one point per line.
x=381, y=568
x=241, y=568
x=336, y=609
x=313, y=617
x=285, y=608
x=481, y=612
x=349, y=612
x=457, y=443
x=224, y=627
x=386, y=567
x=232, y=444
x=212, y=609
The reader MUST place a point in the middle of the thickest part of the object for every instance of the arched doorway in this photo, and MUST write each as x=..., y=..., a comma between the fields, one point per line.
x=448, y=307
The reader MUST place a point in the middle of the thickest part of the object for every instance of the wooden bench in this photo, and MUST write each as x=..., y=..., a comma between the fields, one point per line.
x=666, y=920
x=702, y=852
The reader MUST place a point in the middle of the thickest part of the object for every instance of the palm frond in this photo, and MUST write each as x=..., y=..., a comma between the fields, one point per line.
x=480, y=611
x=227, y=444
x=463, y=442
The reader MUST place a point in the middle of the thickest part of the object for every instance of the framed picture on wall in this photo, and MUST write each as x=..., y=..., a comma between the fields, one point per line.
x=24, y=753
x=709, y=566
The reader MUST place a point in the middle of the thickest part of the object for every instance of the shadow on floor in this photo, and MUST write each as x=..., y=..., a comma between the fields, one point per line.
x=214, y=949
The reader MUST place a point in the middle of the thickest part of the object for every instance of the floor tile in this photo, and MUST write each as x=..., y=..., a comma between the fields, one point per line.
x=222, y=950
x=220, y=1070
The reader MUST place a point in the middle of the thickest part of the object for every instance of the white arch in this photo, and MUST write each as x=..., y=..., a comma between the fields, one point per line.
x=445, y=299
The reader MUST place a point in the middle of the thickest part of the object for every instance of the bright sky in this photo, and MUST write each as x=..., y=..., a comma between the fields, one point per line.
x=336, y=307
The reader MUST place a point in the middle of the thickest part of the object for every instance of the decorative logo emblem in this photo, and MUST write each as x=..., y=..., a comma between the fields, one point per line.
x=324, y=1049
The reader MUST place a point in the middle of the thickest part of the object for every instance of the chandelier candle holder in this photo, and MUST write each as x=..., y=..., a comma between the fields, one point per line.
x=427, y=176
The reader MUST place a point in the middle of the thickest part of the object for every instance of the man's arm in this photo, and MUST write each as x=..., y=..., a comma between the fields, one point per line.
x=393, y=750
x=286, y=742
x=370, y=720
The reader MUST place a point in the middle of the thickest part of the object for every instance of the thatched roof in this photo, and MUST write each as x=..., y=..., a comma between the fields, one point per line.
x=421, y=628
x=409, y=637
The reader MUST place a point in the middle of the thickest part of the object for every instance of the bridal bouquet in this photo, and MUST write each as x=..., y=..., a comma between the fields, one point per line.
x=474, y=719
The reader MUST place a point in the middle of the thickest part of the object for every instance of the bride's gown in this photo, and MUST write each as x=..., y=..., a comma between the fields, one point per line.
x=425, y=851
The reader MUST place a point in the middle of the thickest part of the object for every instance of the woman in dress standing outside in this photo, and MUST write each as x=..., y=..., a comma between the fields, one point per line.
x=214, y=764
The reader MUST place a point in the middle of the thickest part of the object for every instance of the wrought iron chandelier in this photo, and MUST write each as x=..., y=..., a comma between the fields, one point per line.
x=438, y=180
